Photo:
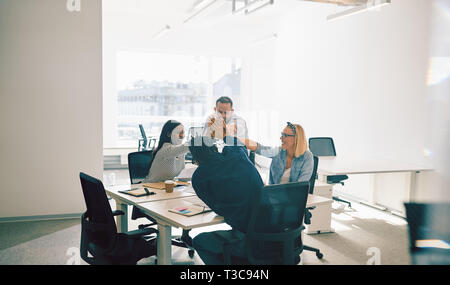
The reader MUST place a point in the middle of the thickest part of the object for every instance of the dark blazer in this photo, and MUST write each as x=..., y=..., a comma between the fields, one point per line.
x=228, y=183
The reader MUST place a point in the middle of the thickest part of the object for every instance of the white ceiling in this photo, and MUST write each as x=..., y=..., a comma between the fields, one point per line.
x=132, y=24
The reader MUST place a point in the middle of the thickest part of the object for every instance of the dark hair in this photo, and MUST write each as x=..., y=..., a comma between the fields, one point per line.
x=166, y=133
x=202, y=149
x=225, y=100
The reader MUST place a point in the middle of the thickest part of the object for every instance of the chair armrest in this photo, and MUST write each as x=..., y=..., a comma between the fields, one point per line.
x=136, y=234
x=118, y=213
x=308, y=215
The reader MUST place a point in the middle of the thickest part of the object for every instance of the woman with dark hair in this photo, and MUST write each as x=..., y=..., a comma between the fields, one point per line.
x=168, y=158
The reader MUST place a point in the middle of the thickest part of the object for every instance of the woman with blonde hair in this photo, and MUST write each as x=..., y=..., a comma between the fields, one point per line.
x=292, y=162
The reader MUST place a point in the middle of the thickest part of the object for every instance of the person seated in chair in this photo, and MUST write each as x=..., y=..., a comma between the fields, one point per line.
x=227, y=182
x=292, y=162
x=168, y=157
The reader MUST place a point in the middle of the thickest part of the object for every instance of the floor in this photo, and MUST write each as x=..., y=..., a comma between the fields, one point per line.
x=363, y=236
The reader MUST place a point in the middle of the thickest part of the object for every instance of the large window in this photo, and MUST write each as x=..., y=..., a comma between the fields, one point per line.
x=153, y=88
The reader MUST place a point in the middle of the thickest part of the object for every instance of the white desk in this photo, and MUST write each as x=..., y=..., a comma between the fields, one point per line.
x=123, y=200
x=344, y=166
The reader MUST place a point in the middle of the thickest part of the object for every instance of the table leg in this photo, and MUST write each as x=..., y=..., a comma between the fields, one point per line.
x=122, y=221
x=412, y=186
x=164, y=255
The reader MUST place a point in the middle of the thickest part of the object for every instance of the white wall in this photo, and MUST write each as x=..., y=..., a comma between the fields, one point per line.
x=361, y=80
x=50, y=105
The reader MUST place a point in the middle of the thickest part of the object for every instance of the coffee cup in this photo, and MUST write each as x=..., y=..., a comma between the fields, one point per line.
x=169, y=184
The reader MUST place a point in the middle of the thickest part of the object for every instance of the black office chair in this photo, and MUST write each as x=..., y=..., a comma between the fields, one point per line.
x=308, y=214
x=193, y=132
x=145, y=143
x=138, y=167
x=139, y=164
x=429, y=222
x=324, y=146
x=274, y=230
x=99, y=235
x=252, y=156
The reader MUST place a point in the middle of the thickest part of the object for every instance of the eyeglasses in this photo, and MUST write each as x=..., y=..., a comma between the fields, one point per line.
x=283, y=135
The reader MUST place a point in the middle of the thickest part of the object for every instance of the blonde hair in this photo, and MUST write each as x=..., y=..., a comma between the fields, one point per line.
x=301, y=144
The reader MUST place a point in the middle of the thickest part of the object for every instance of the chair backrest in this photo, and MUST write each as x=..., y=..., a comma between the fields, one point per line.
x=251, y=156
x=195, y=131
x=144, y=136
x=98, y=211
x=429, y=224
x=139, y=165
x=428, y=221
x=276, y=222
x=312, y=180
x=322, y=146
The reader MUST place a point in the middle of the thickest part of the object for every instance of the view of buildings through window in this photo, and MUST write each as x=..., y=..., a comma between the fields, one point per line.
x=153, y=88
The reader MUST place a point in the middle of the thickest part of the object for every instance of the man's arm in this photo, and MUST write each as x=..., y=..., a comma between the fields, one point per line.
x=241, y=128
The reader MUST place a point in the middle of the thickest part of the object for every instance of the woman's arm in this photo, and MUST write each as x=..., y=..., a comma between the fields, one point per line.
x=251, y=145
x=266, y=151
x=170, y=151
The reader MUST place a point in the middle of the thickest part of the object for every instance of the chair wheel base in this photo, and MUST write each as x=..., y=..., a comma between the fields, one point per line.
x=319, y=255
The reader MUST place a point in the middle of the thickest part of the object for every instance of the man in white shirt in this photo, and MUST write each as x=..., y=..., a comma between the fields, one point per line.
x=224, y=121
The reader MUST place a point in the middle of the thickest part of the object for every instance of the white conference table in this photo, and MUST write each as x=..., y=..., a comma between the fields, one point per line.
x=158, y=208
x=123, y=200
x=343, y=166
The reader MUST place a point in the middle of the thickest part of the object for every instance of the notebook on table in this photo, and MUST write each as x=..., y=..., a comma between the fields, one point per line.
x=190, y=210
x=197, y=207
x=139, y=192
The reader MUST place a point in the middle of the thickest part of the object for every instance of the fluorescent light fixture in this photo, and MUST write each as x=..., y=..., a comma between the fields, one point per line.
x=270, y=2
x=200, y=10
x=161, y=32
x=248, y=4
x=370, y=5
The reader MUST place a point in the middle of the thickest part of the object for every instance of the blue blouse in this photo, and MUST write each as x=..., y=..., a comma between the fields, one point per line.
x=301, y=167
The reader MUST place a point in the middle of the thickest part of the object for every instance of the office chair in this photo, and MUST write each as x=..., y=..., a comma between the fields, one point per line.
x=138, y=167
x=324, y=146
x=429, y=233
x=145, y=143
x=251, y=156
x=139, y=164
x=193, y=132
x=308, y=214
x=274, y=230
x=99, y=235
